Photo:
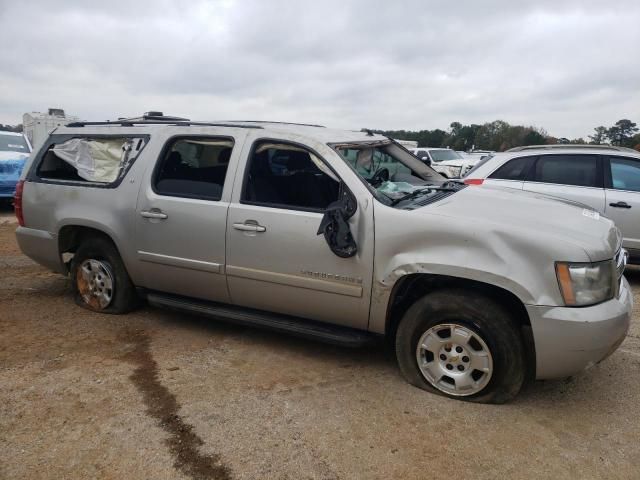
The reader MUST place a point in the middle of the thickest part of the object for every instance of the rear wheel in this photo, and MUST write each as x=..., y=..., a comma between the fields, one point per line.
x=461, y=345
x=100, y=280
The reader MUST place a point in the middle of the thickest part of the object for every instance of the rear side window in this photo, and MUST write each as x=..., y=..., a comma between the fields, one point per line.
x=516, y=169
x=289, y=176
x=625, y=173
x=90, y=160
x=579, y=170
x=194, y=167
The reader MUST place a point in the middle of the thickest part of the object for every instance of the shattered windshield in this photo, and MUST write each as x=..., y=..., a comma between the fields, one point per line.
x=442, y=155
x=393, y=175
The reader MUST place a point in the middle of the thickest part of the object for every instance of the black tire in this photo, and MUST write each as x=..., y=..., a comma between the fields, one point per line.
x=123, y=296
x=477, y=314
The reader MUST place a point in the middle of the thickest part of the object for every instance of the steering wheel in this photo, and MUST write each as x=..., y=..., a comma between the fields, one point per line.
x=378, y=178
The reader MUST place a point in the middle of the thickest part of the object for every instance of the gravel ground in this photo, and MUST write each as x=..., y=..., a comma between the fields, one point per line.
x=156, y=394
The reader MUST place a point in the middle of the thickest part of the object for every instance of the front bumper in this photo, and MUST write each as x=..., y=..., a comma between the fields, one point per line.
x=568, y=340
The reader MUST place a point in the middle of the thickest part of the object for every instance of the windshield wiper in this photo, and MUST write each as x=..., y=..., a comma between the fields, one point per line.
x=422, y=191
x=410, y=195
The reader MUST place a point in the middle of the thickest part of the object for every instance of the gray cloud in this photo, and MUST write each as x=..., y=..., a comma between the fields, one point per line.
x=566, y=67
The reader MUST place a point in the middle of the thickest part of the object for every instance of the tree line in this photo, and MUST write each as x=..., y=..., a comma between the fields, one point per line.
x=499, y=136
x=11, y=128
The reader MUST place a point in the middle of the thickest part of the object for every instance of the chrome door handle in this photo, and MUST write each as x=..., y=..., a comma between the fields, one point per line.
x=249, y=227
x=154, y=213
x=620, y=205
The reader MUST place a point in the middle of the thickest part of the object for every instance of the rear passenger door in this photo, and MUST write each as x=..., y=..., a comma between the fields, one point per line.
x=623, y=198
x=181, y=216
x=513, y=173
x=571, y=176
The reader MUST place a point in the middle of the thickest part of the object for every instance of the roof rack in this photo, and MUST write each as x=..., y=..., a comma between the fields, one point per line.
x=177, y=123
x=280, y=123
x=158, y=118
x=567, y=146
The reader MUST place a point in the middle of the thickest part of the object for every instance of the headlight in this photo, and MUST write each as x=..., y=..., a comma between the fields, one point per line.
x=584, y=284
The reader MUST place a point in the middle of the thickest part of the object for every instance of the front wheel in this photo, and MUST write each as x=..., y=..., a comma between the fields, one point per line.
x=100, y=279
x=461, y=345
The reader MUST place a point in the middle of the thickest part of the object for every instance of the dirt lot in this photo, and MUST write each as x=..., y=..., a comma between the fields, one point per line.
x=161, y=395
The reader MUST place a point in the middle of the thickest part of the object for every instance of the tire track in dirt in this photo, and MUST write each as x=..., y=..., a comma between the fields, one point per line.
x=162, y=405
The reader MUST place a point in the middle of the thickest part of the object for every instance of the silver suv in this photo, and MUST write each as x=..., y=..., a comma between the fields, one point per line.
x=602, y=177
x=336, y=235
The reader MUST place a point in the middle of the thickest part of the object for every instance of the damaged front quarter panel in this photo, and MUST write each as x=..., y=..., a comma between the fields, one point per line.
x=424, y=242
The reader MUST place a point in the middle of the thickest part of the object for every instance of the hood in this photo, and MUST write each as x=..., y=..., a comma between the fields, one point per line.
x=535, y=215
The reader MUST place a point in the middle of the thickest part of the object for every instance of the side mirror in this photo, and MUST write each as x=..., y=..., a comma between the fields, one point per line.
x=335, y=227
x=426, y=160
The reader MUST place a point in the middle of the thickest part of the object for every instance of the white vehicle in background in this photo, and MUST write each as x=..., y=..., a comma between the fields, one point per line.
x=37, y=126
x=445, y=161
x=408, y=144
x=604, y=178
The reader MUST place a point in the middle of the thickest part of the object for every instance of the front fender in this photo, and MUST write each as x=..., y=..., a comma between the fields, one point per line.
x=519, y=261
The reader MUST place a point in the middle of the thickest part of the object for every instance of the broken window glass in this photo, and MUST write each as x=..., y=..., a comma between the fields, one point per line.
x=100, y=160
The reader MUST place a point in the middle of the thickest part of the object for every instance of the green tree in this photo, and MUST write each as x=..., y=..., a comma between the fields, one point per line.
x=600, y=135
x=491, y=136
x=622, y=132
x=534, y=137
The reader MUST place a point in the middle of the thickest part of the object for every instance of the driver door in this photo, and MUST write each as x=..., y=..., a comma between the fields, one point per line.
x=276, y=261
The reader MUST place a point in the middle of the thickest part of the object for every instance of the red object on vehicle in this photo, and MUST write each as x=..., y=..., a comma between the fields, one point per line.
x=17, y=202
x=474, y=181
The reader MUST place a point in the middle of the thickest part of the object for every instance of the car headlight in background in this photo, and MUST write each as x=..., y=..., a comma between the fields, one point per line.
x=583, y=284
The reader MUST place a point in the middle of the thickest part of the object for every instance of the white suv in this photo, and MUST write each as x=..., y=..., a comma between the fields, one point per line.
x=606, y=178
x=445, y=161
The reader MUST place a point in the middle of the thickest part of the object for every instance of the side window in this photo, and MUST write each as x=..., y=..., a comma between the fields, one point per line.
x=625, y=173
x=194, y=167
x=580, y=170
x=288, y=176
x=91, y=160
x=516, y=169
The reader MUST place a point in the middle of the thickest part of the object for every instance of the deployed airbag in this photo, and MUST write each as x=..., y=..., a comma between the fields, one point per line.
x=96, y=160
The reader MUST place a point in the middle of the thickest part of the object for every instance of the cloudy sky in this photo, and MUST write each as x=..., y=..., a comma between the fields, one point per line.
x=566, y=66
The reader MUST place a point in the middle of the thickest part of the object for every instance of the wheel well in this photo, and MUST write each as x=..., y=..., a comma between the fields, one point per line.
x=414, y=286
x=71, y=236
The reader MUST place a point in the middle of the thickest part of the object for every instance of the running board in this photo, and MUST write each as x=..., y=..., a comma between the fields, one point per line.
x=299, y=327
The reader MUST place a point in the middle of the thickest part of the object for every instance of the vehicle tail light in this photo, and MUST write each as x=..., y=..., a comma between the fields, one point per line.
x=17, y=202
x=474, y=181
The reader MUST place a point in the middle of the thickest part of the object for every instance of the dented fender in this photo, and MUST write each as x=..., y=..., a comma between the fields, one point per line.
x=517, y=258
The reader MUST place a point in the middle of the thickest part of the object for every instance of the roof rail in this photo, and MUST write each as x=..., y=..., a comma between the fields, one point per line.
x=567, y=146
x=158, y=118
x=178, y=123
x=279, y=123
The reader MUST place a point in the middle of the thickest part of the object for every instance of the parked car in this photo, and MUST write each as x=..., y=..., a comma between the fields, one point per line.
x=14, y=151
x=335, y=235
x=606, y=178
x=447, y=162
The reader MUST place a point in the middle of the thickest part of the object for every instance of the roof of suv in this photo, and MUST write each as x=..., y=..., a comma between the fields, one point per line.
x=568, y=146
x=149, y=123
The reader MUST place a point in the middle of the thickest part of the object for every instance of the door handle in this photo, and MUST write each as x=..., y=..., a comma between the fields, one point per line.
x=620, y=205
x=248, y=226
x=154, y=213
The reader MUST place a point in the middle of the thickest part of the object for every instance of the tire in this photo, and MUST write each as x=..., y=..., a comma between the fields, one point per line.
x=100, y=280
x=470, y=347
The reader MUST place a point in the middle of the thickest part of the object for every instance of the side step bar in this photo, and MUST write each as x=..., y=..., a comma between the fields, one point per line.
x=324, y=332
